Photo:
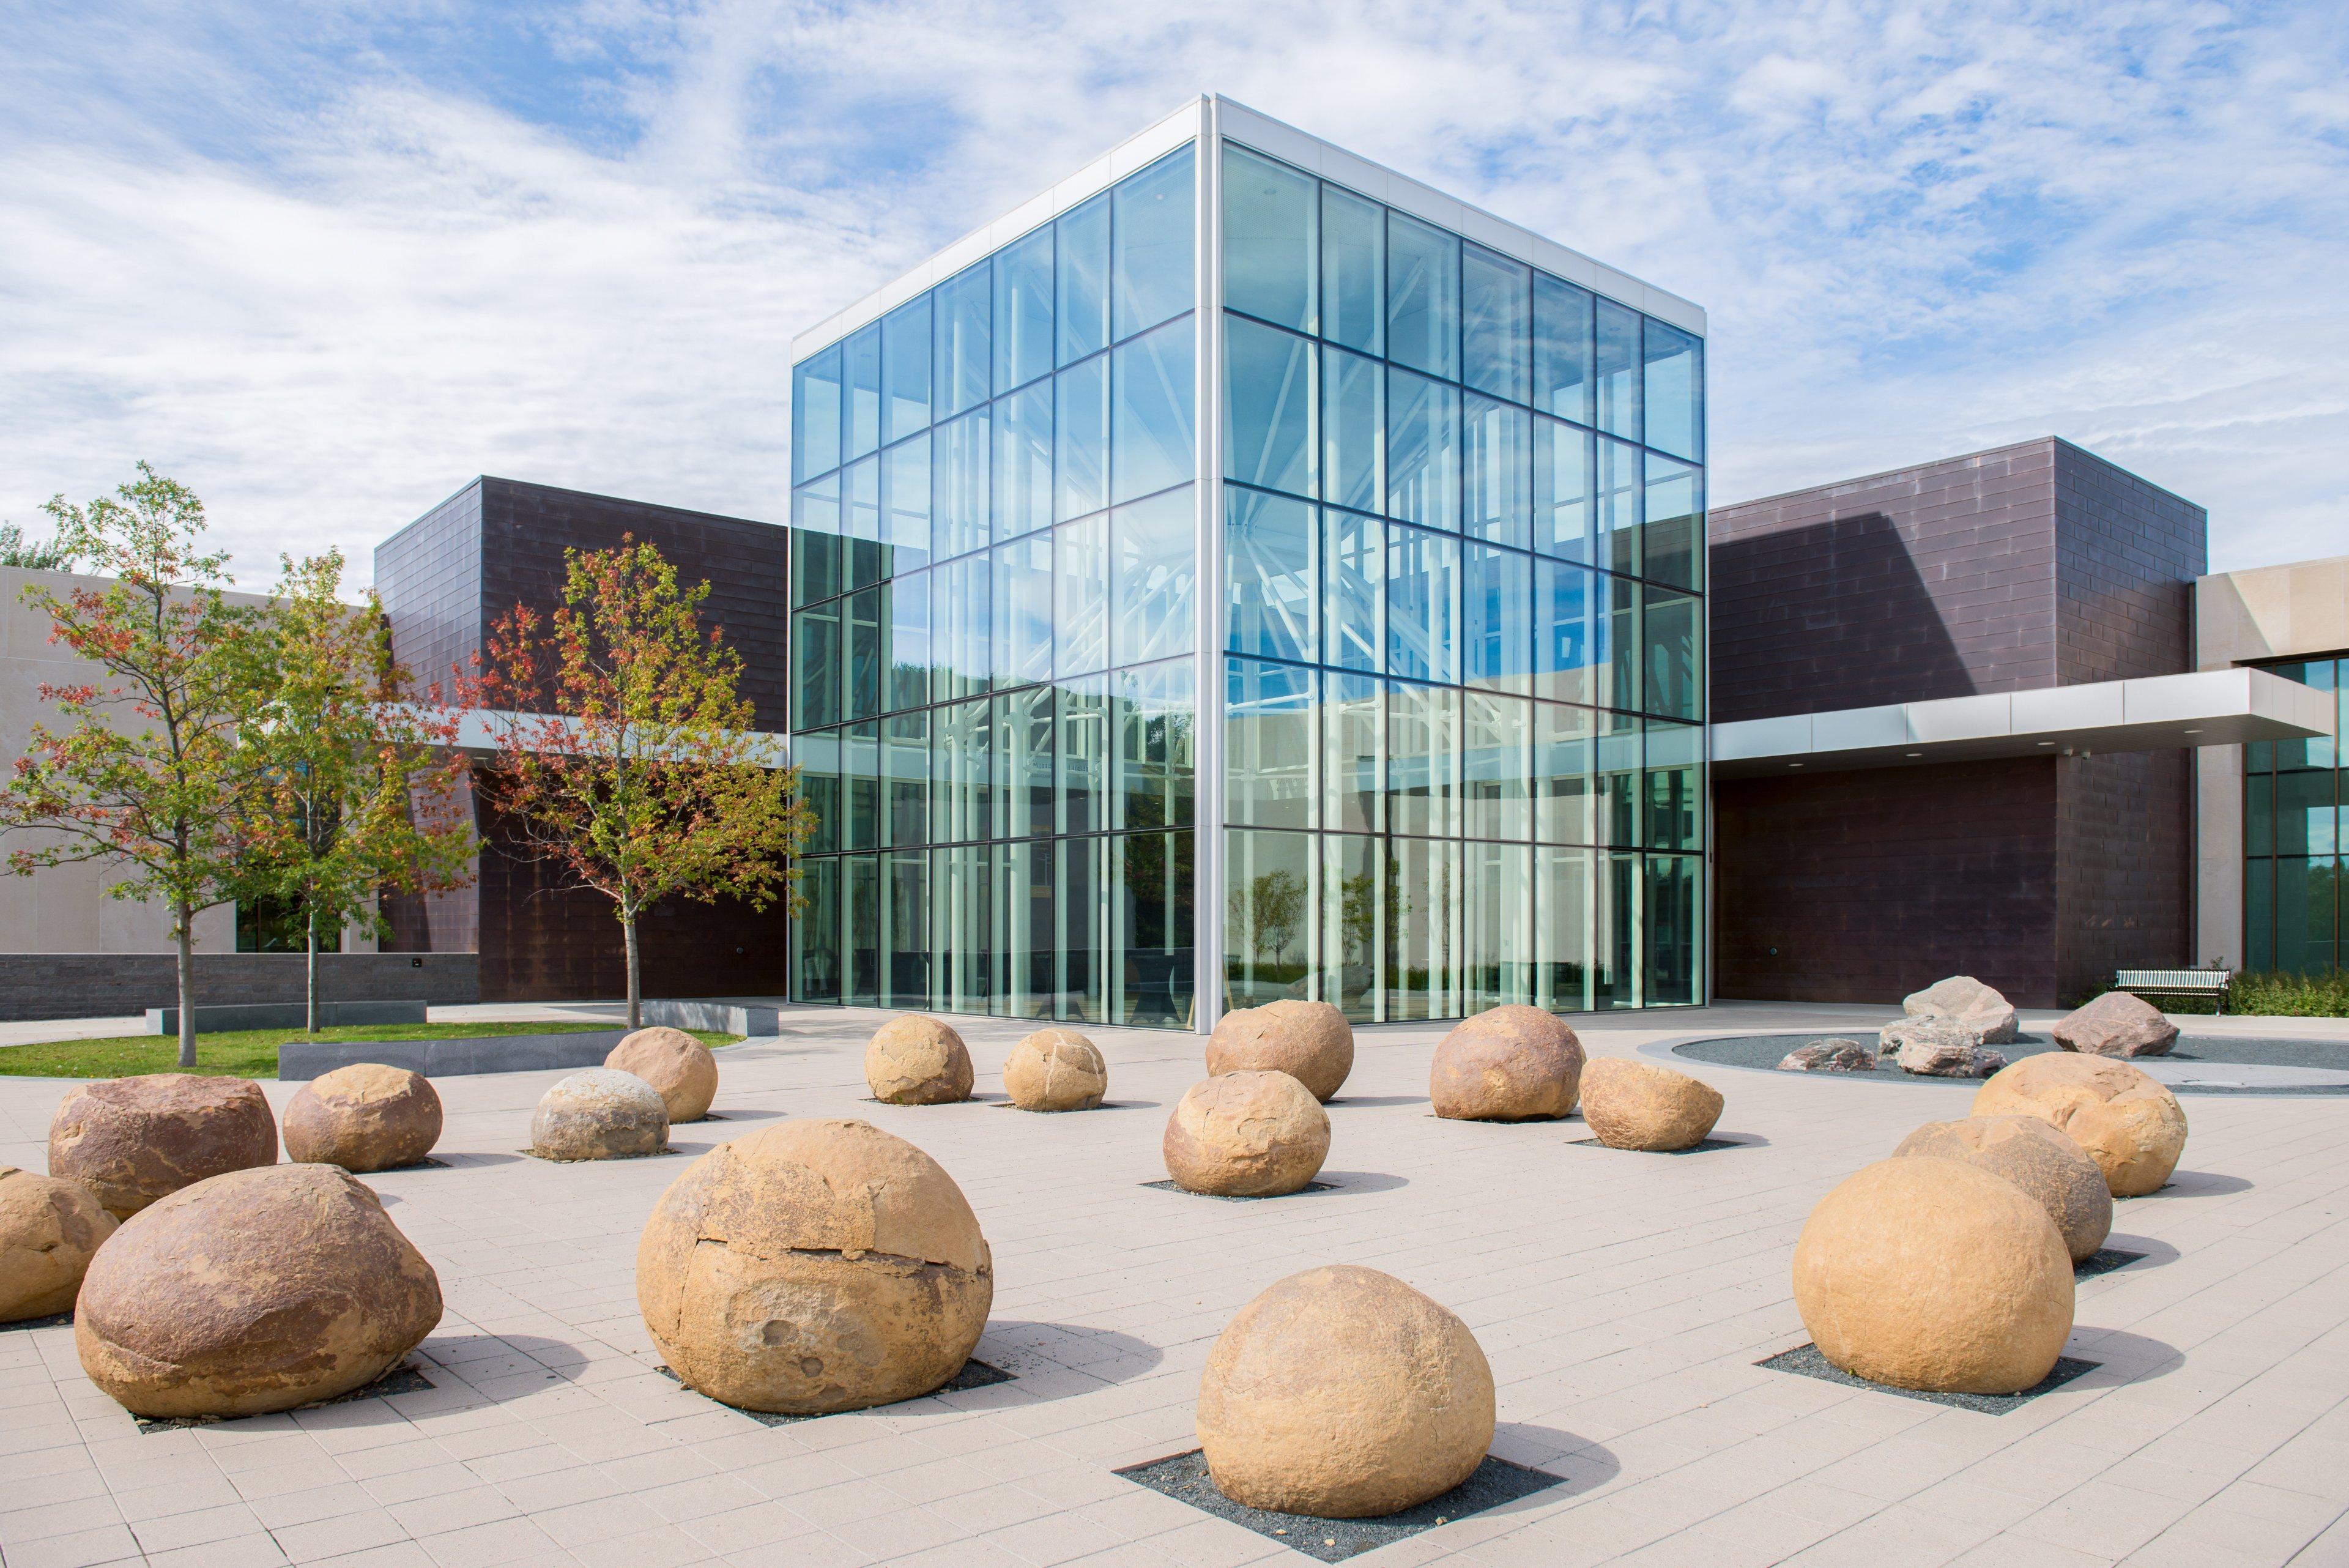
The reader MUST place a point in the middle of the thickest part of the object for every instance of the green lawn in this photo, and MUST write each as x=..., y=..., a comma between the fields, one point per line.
x=252, y=1053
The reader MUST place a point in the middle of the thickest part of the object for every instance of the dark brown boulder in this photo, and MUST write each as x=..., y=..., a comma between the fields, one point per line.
x=134, y=1140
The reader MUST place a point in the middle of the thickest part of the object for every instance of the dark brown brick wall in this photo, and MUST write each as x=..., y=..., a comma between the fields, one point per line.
x=2124, y=885
x=1879, y=882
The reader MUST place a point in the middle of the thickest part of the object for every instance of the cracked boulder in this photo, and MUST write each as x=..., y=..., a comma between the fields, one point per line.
x=2128, y=1120
x=918, y=1060
x=134, y=1140
x=49, y=1230
x=811, y=1267
x=2045, y=1162
x=1055, y=1070
x=1245, y=1135
x=1310, y=1041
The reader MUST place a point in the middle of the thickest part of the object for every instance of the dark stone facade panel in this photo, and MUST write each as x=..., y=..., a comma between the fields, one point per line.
x=429, y=575
x=110, y=985
x=2129, y=553
x=2124, y=866
x=1877, y=882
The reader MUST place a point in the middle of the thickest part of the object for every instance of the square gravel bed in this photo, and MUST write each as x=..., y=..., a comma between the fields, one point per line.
x=1183, y=1477
x=1703, y=1145
x=546, y=1159
x=401, y=1380
x=2104, y=1261
x=975, y=1374
x=55, y=1319
x=1806, y=1360
x=1242, y=1197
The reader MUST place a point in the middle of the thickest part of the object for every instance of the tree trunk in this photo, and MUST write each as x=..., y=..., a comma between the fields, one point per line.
x=636, y=995
x=186, y=933
x=310, y=977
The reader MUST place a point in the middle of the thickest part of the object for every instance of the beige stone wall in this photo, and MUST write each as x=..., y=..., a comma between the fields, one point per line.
x=2247, y=617
x=64, y=908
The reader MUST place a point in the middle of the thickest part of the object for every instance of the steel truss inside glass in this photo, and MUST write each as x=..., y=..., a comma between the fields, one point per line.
x=1454, y=546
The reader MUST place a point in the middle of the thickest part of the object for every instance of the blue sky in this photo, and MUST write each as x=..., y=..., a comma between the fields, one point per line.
x=325, y=262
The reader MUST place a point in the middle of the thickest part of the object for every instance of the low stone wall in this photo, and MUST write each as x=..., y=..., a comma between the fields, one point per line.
x=107, y=985
x=301, y=1060
x=751, y=1019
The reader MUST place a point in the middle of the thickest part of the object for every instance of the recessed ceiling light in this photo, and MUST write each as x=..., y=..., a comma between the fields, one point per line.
x=2192, y=731
x=1912, y=753
x=2046, y=742
x=1794, y=764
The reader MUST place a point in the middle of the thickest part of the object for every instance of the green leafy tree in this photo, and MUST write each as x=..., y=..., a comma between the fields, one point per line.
x=150, y=769
x=45, y=555
x=358, y=794
x=1270, y=907
x=625, y=752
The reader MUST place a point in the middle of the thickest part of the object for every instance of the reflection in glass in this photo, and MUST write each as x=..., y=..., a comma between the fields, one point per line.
x=1669, y=978
x=1495, y=322
x=817, y=564
x=1082, y=242
x=1151, y=263
x=1423, y=296
x=1023, y=462
x=1675, y=795
x=1081, y=447
x=815, y=666
x=960, y=488
x=1422, y=450
x=1023, y=611
x=1497, y=504
x=815, y=414
x=1353, y=606
x=862, y=367
x=1562, y=504
x=1268, y=918
x=1155, y=558
x=905, y=931
x=1270, y=236
x=1151, y=929
x=1356, y=909
x=1565, y=791
x=1268, y=559
x=1673, y=670
x=1082, y=880
x=907, y=654
x=1023, y=310
x=965, y=361
x=1082, y=754
x=1423, y=604
x=1353, y=753
x=1151, y=444
x=1498, y=625
x=1423, y=760
x=1353, y=271
x=860, y=782
x=1156, y=759
x=1563, y=370
x=1498, y=944
x=905, y=504
x=1422, y=968
x=906, y=369
x=1268, y=408
x=1573, y=644
x=815, y=935
x=1619, y=506
x=863, y=624
x=1565, y=890
x=1675, y=531
x=1618, y=370
x=1674, y=395
x=1353, y=430
x=1270, y=747
x=1025, y=726
x=1080, y=597
x=962, y=659
x=1029, y=934
x=1496, y=765
x=906, y=779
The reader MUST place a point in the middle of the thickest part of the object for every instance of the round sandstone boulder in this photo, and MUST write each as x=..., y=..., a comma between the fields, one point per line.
x=253, y=1292
x=2127, y=1121
x=1247, y=1134
x=1055, y=1070
x=1510, y=1064
x=49, y=1228
x=134, y=1140
x=1345, y=1394
x=1934, y=1275
x=917, y=1060
x=1310, y=1041
x=2044, y=1163
x=673, y=1062
x=599, y=1114
x=815, y=1266
x=366, y=1117
x=1636, y=1105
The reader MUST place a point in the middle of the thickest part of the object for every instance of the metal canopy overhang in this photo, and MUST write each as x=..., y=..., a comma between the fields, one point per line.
x=2212, y=708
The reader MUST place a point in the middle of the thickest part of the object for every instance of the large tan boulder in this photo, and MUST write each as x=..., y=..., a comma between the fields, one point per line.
x=1636, y=1105
x=1310, y=1041
x=1507, y=1063
x=2117, y=1025
x=134, y=1140
x=2126, y=1120
x=1344, y=1392
x=1247, y=1134
x=599, y=1112
x=674, y=1063
x=2049, y=1167
x=366, y=1117
x=815, y=1266
x=49, y=1230
x=917, y=1060
x=253, y=1292
x=1934, y=1275
x=1055, y=1070
x=1985, y=1015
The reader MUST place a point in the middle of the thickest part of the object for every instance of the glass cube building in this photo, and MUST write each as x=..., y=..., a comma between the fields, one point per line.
x=1245, y=573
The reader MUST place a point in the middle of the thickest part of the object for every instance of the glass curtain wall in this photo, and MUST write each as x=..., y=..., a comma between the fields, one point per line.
x=2293, y=796
x=993, y=582
x=1463, y=663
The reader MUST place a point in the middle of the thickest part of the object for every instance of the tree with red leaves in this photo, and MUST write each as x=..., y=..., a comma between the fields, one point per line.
x=624, y=753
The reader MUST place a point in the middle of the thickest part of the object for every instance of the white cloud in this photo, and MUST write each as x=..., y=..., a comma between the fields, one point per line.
x=337, y=266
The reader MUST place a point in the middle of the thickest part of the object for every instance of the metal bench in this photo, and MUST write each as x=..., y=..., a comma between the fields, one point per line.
x=2210, y=982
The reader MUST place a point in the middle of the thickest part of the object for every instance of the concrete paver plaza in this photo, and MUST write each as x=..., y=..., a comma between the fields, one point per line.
x=1623, y=1300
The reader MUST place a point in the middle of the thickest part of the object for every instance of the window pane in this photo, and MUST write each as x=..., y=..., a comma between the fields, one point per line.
x=1082, y=880
x=1080, y=597
x=2259, y=914
x=1562, y=504
x=1423, y=604
x=1495, y=322
x=905, y=975
x=1353, y=603
x=1155, y=546
x=1028, y=927
x=1353, y=270
x=1151, y=443
x=1618, y=370
x=2306, y=898
x=959, y=496
x=1496, y=766
x=1082, y=754
x=1423, y=296
x=862, y=626
x=963, y=806
x=815, y=935
x=861, y=929
x=906, y=506
x=815, y=666
x=1156, y=707
x=906, y=778
x=1672, y=928
x=1675, y=530
x=1353, y=906
x=965, y=361
x=1023, y=611
x=1150, y=264
x=815, y=415
x=1268, y=724
x=1081, y=445
x=1268, y=408
x=1353, y=429
x=1624, y=641
x=906, y=369
x=1421, y=964
x=1023, y=310
x=1270, y=238
x=1023, y=462
x=2305, y=814
x=1497, y=606
x=864, y=369
x=1619, y=506
x=1422, y=450
x=1423, y=760
x=1081, y=235
x=860, y=484
x=1675, y=805
x=1151, y=929
x=907, y=608
x=816, y=554
x=1564, y=885
x=860, y=782
x=1621, y=810
x=959, y=656
x=1570, y=644
x=1268, y=558
x=1268, y=923
x=1353, y=753
x=1499, y=936
x=1564, y=792
x=1563, y=374
x=963, y=883
x=1674, y=667
x=1675, y=390
x=2258, y=813
x=1025, y=767
x=1496, y=503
